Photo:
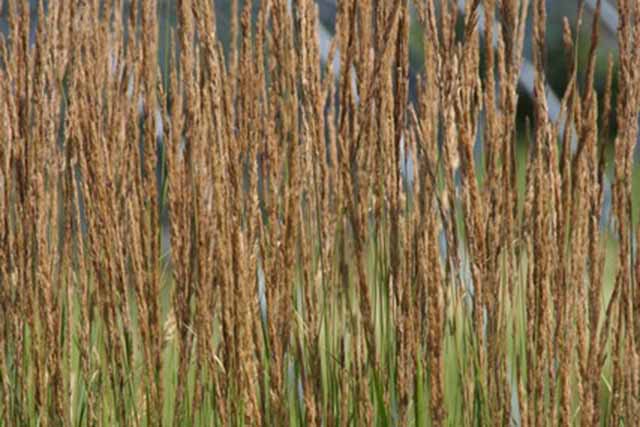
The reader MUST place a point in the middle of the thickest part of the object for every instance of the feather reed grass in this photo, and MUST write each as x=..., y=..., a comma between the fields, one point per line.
x=338, y=253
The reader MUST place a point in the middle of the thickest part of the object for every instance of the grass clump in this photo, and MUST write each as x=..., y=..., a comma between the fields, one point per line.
x=335, y=254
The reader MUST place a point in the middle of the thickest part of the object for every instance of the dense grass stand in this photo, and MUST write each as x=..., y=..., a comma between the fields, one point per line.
x=241, y=237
